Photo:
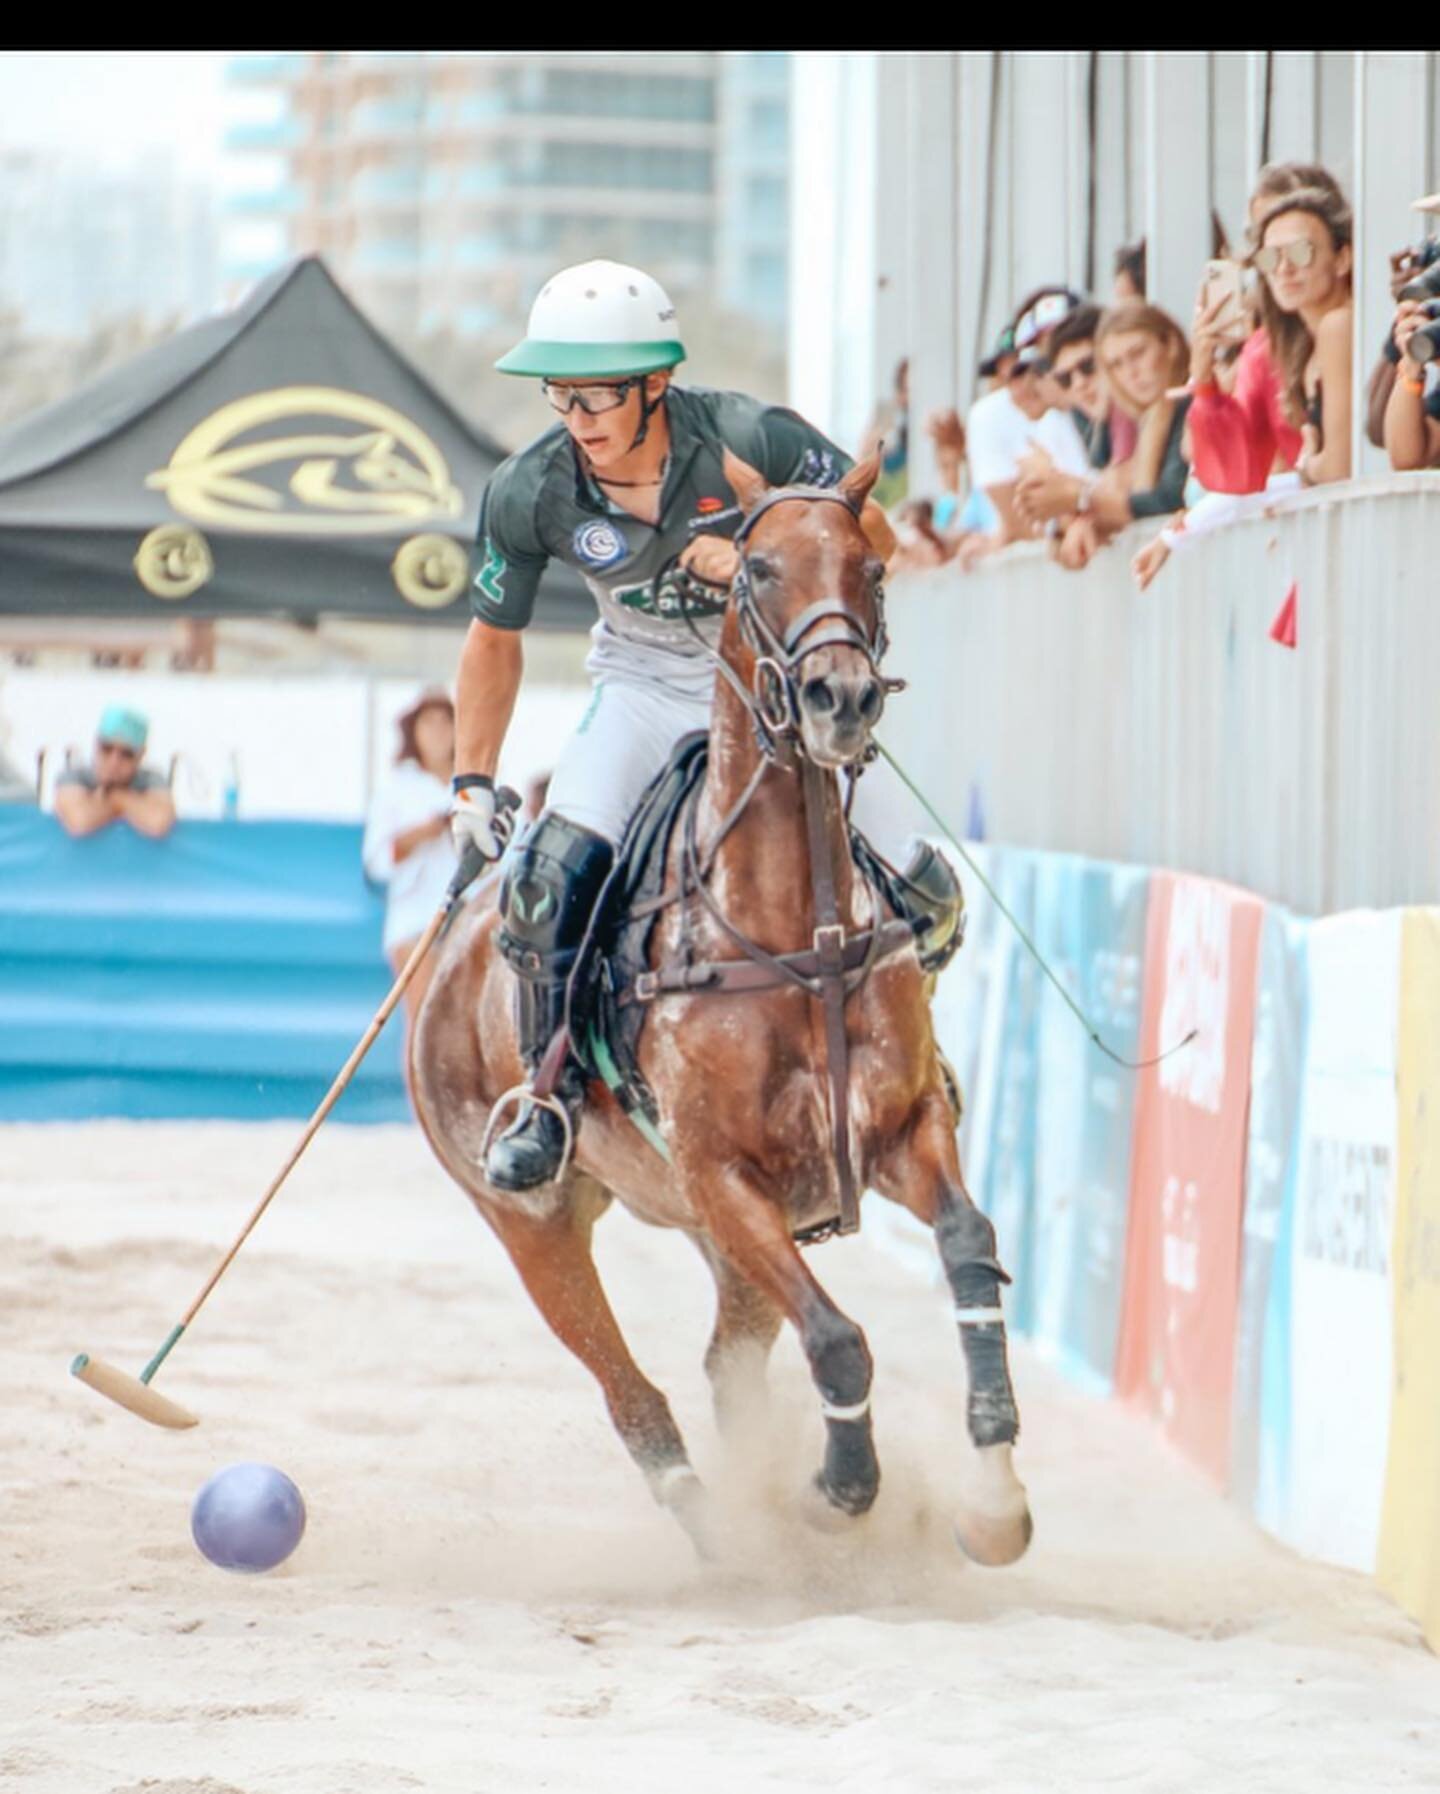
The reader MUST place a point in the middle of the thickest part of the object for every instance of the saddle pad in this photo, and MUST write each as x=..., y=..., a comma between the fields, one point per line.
x=617, y=948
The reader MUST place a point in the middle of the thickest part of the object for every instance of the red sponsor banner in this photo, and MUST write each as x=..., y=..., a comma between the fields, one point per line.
x=1182, y=1267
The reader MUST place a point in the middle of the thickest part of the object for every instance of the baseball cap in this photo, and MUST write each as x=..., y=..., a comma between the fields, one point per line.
x=123, y=726
x=1004, y=345
x=1041, y=318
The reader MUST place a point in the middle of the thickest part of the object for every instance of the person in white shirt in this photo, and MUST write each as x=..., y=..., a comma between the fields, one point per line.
x=1024, y=413
x=408, y=846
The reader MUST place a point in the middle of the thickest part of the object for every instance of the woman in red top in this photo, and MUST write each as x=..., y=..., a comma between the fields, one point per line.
x=1238, y=439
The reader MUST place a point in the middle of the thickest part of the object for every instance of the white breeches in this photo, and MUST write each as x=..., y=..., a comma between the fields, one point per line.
x=626, y=736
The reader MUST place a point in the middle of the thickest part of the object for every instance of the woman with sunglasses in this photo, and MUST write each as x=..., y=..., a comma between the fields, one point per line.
x=628, y=487
x=1304, y=260
x=1240, y=429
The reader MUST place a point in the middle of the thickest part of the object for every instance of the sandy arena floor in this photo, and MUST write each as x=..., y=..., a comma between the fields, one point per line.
x=486, y=1601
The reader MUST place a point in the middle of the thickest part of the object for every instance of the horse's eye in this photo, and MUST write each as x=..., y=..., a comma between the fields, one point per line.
x=760, y=568
x=875, y=572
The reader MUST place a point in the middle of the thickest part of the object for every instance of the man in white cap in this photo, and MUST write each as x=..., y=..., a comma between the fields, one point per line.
x=629, y=489
x=116, y=787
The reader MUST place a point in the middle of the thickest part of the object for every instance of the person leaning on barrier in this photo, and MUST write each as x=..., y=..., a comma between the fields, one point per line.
x=116, y=786
x=1411, y=419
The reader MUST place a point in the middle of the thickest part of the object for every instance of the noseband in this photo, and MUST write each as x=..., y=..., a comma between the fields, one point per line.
x=774, y=696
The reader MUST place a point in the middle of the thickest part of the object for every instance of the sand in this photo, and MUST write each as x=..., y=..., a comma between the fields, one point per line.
x=486, y=1598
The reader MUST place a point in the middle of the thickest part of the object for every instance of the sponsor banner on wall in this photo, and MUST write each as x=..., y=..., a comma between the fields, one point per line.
x=1409, y=1555
x=1003, y=1182
x=1090, y=925
x=1260, y=1412
x=1341, y=1244
x=969, y=1005
x=1177, y=1333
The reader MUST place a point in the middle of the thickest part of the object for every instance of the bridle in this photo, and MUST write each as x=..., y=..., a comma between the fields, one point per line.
x=773, y=700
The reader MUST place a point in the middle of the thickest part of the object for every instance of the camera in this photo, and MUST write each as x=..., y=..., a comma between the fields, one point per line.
x=1426, y=283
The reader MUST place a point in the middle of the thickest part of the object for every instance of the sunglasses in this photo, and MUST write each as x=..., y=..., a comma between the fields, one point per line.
x=1082, y=370
x=591, y=399
x=1299, y=253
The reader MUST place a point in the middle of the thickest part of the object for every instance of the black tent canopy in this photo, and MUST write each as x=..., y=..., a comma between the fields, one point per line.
x=282, y=459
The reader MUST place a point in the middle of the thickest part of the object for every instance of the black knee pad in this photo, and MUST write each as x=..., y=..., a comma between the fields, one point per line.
x=548, y=894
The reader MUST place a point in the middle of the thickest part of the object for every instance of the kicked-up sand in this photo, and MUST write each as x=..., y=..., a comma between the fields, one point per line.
x=486, y=1600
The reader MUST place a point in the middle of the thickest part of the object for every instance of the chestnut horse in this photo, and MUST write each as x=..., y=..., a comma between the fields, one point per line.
x=740, y=1077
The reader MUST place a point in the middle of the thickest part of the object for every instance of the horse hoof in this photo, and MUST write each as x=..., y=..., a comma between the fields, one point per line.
x=993, y=1540
x=830, y=1510
x=685, y=1496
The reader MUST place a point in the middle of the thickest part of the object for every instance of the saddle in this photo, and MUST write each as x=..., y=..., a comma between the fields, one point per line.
x=612, y=985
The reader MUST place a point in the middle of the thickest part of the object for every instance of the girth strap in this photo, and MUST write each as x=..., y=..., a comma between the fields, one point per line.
x=740, y=975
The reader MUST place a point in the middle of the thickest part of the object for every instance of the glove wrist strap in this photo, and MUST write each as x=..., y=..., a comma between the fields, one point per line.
x=471, y=781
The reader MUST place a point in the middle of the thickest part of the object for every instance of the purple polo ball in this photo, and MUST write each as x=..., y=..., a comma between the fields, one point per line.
x=248, y=1517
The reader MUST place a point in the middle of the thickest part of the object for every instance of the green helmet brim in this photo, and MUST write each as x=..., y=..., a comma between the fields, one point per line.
x=599, y=361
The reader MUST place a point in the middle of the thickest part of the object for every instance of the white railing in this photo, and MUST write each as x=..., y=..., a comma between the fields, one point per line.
x=1167, y=728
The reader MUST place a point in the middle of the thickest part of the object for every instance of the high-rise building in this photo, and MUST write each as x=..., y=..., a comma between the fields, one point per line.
x=81, y=246
x=442, y=187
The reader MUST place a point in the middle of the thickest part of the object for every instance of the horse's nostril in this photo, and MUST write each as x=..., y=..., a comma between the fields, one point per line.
x=872, y=700
x=818, y=696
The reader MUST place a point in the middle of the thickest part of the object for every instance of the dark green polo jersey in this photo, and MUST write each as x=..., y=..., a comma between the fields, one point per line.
x=539, y=505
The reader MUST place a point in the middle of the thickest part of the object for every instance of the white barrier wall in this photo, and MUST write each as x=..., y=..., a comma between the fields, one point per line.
x=1168, y=728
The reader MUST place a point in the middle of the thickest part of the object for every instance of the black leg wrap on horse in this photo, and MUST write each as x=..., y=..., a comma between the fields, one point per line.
x=545, y=904
x=841, y=1365
x=975, y=1277
x=850, y=1479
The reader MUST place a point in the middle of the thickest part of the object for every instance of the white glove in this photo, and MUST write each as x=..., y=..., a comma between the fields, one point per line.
x=479, y=819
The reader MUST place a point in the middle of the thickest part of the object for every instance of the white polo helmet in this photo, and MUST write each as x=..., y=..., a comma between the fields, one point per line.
x=597, y=319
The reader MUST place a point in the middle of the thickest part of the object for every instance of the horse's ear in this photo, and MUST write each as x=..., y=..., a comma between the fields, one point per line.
x=855, y=487
x=744, y=481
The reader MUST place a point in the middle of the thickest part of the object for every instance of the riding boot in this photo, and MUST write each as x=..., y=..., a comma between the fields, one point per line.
x=545, y=904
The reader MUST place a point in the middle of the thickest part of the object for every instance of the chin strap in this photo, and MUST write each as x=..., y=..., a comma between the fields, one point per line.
x=647, y=411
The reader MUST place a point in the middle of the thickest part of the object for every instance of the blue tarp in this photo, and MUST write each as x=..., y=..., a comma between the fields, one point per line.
x=226, y=971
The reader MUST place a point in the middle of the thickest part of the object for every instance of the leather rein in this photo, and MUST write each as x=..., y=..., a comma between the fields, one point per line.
x=837, y=963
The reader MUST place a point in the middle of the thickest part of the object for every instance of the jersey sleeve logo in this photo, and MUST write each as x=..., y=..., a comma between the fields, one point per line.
x=599, y=544
x=818, y=468
x=487, y=580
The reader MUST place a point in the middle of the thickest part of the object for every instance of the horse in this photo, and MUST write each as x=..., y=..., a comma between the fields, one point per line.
x=765, y=1141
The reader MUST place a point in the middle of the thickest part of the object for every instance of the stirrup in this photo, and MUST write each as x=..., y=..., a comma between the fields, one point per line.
x=523, y=1093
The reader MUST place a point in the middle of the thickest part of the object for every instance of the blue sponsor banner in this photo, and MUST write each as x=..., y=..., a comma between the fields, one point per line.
x=226, y=972
x=1004, y=1173
x=1089, y=922
x=1260, y=1426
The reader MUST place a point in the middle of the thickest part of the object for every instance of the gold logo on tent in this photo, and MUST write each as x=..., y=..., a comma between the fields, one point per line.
x=431, y=571
x=242, y=468
x=172, y=561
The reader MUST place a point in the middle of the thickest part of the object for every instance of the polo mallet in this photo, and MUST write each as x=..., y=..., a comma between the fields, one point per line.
x=135, y=1393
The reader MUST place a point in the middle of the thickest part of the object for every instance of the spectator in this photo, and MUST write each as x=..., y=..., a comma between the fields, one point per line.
x=1005, y=423
x=1240, y=436
x=407, y=845
x=116, y=786
x=1045, y=491
x=1305, y=259
x=1143, y=355
x=1129, y=272
x=1412, y=413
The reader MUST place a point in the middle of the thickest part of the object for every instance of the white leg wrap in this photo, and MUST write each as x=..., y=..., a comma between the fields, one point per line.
x=979, y=1317
x=669, y=1477
x=857, y=1412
